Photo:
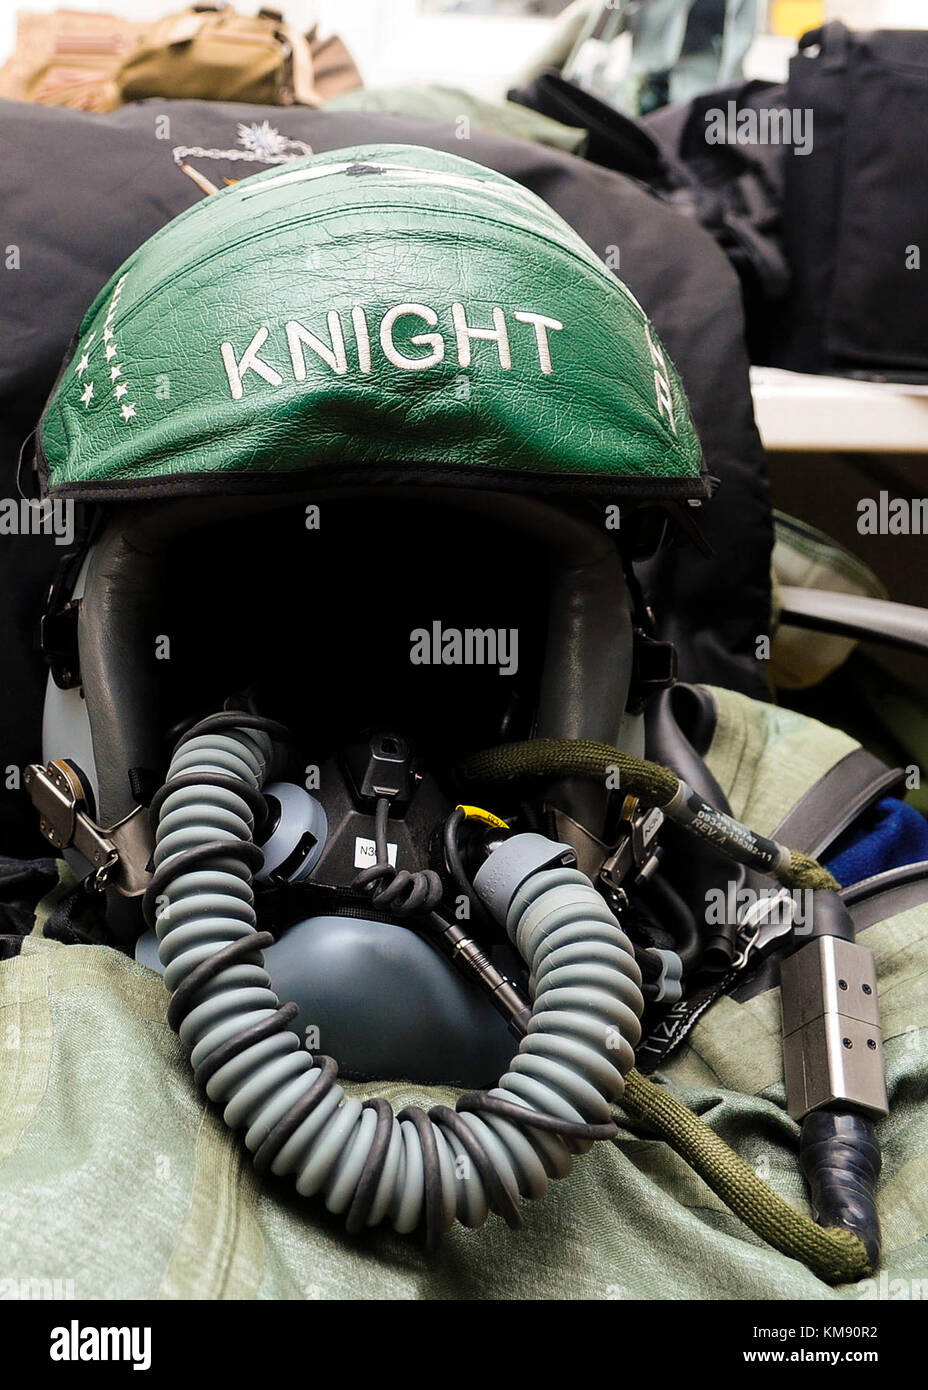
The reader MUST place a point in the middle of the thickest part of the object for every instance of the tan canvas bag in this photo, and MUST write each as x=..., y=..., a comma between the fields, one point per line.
x=219, y=55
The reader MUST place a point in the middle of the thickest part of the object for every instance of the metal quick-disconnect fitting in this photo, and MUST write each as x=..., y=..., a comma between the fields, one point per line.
x=832, y=1044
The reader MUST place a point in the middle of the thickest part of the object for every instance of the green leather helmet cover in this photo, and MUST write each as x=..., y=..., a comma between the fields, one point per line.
x=370, y=314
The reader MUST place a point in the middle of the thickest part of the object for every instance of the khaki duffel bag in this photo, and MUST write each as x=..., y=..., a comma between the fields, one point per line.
x=219, y=55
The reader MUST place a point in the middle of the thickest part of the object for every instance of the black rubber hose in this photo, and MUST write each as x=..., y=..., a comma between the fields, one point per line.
x=840, y=1157
x=455, y=865
x=675, y=915
x=453, y=858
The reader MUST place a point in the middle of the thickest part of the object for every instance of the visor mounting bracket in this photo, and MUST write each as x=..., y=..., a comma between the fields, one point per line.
x=118, y=855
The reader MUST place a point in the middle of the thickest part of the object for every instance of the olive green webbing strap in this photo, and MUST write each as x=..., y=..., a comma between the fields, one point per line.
x=835, y=1255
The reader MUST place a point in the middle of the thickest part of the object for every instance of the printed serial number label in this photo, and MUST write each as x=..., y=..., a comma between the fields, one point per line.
x=365, y=853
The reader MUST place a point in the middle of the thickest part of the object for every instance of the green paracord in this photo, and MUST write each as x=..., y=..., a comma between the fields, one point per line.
x=653, y=784
x=834, y=1255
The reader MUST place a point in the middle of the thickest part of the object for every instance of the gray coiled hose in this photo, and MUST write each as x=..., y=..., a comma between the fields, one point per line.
x=409, y=1169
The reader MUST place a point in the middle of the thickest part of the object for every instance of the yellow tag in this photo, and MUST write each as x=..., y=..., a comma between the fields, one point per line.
x=485, y=817
x=793, y=17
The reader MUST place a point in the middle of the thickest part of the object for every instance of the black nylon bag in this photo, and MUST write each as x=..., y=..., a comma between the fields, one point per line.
x=733, y=191
x=614, y=140
x=856, y=207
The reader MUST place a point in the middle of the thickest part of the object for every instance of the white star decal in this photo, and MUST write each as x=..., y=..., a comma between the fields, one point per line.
x=121, y=390
x=111, y=351
x=127, y=412
x=87, y=395
x=107, y=333
x=83, y=364
x=115, y=372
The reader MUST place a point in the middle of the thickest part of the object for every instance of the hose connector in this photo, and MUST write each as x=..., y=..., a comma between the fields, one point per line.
x=500, y=877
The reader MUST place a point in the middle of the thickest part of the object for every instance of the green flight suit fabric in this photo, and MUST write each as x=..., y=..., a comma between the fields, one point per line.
x=118, y=1179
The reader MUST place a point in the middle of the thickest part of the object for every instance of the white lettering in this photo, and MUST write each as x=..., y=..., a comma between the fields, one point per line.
x=497, y=334
x=433, y=340
x=299, y=337
x=362, y=338
x=541, y=324
x=250, y=362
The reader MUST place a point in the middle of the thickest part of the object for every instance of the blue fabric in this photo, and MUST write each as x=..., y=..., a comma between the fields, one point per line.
x=892, y=834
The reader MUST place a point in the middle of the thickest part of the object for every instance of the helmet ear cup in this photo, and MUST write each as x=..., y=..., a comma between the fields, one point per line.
x=295, y=834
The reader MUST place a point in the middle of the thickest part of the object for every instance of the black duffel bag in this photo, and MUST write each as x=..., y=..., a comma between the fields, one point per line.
x=855, y=217
x=727, y=188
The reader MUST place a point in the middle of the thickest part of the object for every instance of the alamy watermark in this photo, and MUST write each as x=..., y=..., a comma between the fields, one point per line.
x=769, y=125
x=76, y=1343
x=729, y=906
x=35, y=1288
x=22, y=516
x=885, y=1289
x=469, y=646
x=892, y=516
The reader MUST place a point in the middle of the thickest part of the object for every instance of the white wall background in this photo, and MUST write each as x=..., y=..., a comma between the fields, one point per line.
x=392, y=41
